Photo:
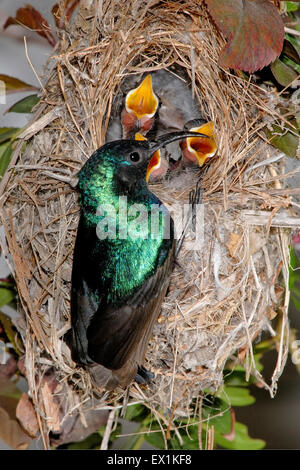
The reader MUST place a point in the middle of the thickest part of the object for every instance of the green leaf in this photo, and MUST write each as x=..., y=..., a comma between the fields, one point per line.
x=93, y=441
x=296, y=301
x=263, y=346
x=290, y=51
x=222, y=423
x=236, y=378
x=7, y=133
x=155, y=439
x=5, y=156
x=11, y=332
x=6, y=296
x=241, y=440
x=188, y=439
x=237, y=396
x=292, y=64
x=283, y=140
x=293, y=266
x=215, y=411
x=136, y=412
x=257, y=357
x=283, y=73
x=25, y=105
x=294, y=280
x=112, y=435
x=291, y=6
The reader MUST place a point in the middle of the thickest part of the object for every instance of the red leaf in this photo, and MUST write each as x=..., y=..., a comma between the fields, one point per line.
x=26, y=414
x=11, y=432
x=68, y=8
x=32, y=19
x=254, y=30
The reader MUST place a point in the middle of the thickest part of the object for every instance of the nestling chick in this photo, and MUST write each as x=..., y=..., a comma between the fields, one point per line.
x=196, y=150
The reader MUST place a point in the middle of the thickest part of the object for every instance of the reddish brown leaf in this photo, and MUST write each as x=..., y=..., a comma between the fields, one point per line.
x=9, y=369
x=73, y=430
x=56, y=15
x=21, y=365
x=254, y=31
x=32, y=19
x=12, y=433
x=14, y=85
x=26, y=415
x=68, y=8
x=10, y=430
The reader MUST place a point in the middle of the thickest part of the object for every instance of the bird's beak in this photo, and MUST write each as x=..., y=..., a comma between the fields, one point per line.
x=142, y=101
x=164, y=140
x=202, y=148
x=155, y=159
x=172, y=136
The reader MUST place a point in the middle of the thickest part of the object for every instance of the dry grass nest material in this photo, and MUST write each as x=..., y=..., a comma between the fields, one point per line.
x=223, y=295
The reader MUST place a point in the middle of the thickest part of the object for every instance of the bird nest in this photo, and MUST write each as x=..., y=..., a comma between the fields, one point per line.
x=224, y=293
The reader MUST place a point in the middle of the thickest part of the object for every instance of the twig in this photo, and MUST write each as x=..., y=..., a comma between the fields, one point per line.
x=110, y=420
x=294, y=32
x=32, y=67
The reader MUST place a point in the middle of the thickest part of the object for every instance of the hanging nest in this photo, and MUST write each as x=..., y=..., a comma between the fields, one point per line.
x=222, y=295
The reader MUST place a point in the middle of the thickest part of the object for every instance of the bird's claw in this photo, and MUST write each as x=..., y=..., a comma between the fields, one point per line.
x=143, y=376
x=195, y=198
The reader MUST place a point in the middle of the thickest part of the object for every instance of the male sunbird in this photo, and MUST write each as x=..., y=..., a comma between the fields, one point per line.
x=119, y=282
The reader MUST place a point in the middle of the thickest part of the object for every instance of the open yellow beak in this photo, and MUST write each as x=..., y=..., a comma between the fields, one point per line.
x=200, y=147
x=155, y=160
x=142, y=101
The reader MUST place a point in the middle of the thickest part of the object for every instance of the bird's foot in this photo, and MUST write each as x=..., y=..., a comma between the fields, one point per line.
x=195, y=198
x=143, y=376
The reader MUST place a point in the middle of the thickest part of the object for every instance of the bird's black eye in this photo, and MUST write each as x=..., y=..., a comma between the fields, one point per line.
x=135, y=157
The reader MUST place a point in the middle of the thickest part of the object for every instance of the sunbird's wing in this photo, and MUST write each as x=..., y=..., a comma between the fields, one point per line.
x=117, y=334
x=84, y=303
